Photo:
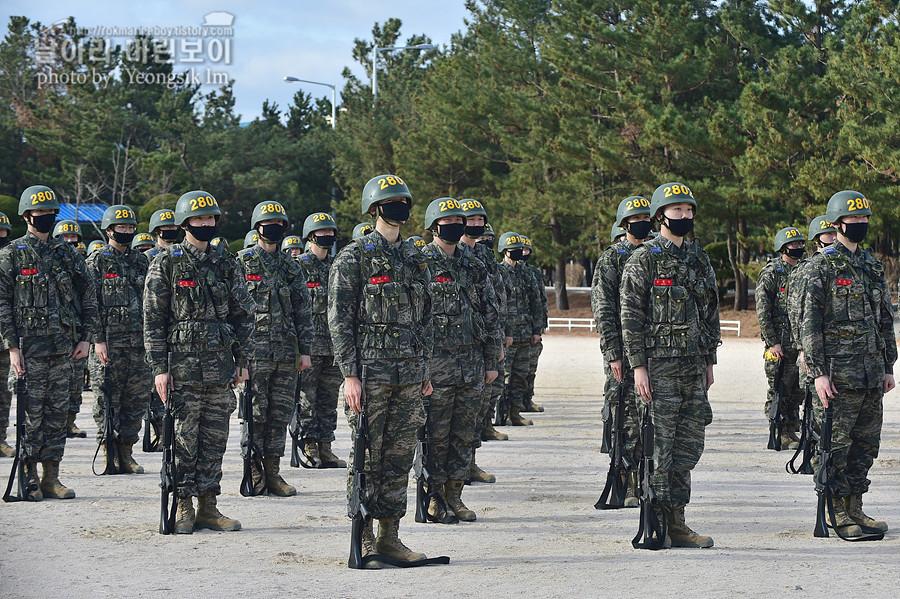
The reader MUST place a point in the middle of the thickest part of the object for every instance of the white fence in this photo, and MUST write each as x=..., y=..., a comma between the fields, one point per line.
x=589, y=323
x=731, y=325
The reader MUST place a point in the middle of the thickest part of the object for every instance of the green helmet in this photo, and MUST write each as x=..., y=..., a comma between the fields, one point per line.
x=81, y=248
x=527, y=241
x=441, y=208
x=847, y=203
x=67, y=227
x=92, y=247
x=161, y=218
x=668, y=194
x=510, y=241
x=787, y=235
x=268, y=210
x=616, y=232
x=318, y=222
x=631, y=206
x=195, y=203
x=488, y=230
x=119, y=214
x=4, y=222
x=417, y=241
x=473, y=208
x=142, y=239
x=362, y=229
x=819, y=225
x=38, y=197
x=251, y=238
x=290, y=242
x=383, y=187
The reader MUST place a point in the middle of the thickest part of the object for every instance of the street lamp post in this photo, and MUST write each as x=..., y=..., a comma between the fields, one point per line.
x=376, y=50
x=290, y=79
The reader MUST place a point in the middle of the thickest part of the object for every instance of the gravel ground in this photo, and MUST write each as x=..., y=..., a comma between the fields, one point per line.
x=537, y=533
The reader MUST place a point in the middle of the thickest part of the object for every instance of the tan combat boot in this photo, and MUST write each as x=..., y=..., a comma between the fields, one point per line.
x=516, y=420
x=6, y=450
x=489, y=433
x=208, y=516
x=789, y=440
x=854, y=505
x=50, y=485
x=274, y=483
x=129, y=466
x=842, y=519
x=185, y=516
x=388, y=542
x=631, y=494
x=530, y=406
x=681, y=534
x=72, y=430
x=311, y=450
x=329, y=460
x=435, y=507
x=477, y=474
x=453, y=497
x=33, y=481
x=368, y=546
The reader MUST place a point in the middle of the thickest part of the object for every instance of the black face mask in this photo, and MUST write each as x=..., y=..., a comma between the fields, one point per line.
x=487, y=243
x=323, y=241
x=795, y=253
x=397, y=212
x=168, y=234
x=4, y=240
x=515, y=254
x=474, y=232
x=123, y=238
x=43, y=223
x=681, y=227
x=272, y=232
x=525, y=257
x=451, y=233
x=640, y=229
x=203, y=233
x=855, y=232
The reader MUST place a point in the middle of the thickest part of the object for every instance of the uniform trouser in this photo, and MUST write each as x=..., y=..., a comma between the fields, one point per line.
x=451, y=428
x=488, y=399
x=273, y=385
x=632, y=421
x=76, y=384
x=499, y=384
x=201, y=434
x=47, y=406
x=518, y=359
x=394, y=413
x=855, y=437
x=320, y=384
x=130, y=388
x=792, y=390
x=5, y=395
x=680, y=411
x=536, y=350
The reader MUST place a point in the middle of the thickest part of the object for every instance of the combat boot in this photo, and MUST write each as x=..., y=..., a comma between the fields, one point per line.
x=435, y=506
x=129, y=466
x=388, y=542
x=274, y=483
x=516, y=420
x=368, y=546
x=33, y=481
x=329, y=460
x=530, y=406
x=6, y=450
x=681, y=534
x=311, y=450
x=72, y=430
x=453, y=494
x=185, y=516
x=789, y=440
x=208, y=515
x=842, y=519
x=854, y=505
x=479, y=475
x=50, y=485
x=489, y=433
x=631, y=495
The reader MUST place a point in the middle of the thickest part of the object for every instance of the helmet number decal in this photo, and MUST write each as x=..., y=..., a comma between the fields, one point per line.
x=167, y=216
x=385, y=182
x=671, y=190
x=127, y=213
x=272, y=207
x=42, y=196
x=639, y=203
x=203, y=202
x=823, y=224
x=322, y=216
x=471, y=205
x=790, y=233
x=68, y=228
x=449, y=205
x=858, y=204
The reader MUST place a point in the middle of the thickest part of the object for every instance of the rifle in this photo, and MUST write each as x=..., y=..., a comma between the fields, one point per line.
x=152, y=426
x=808, y=440
x=254, y=481
x=606, y=437
x=299, y=456
x=501, y=410
x=426, y=488
x=776, y=414
x=25, y=487
x=613, y=495
x=651, y=532
x=167, y=472
x=110, y=434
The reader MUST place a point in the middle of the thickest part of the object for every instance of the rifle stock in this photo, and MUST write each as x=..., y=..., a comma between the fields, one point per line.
x=110, y=434
x=167, y=472
x=808, y=440
x=501, y=410
x=613, y=495
x=359, y=510
x=17, y=474
x=651, y=532
x=253, y=481
x=426, y=488
x=776, y=412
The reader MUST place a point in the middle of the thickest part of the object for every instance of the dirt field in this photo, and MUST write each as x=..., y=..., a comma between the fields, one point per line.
x=537, y=533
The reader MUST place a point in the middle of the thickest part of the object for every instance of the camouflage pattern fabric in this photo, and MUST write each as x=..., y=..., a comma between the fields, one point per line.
x=536, y=349
x=129, y=389
x=5, y=394
x=518, y=360
x=273, y=385
x=76, y=384
x=46, y=409
x=796, y=290
x=320, y=385
x=316, y=273
x=523, y=319
x=495, y=279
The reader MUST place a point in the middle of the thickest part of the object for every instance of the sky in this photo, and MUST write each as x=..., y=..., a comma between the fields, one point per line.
x=307, y=39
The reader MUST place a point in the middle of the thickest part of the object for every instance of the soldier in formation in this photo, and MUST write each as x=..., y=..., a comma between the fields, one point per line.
x=537, y=345
x=164, y=230
x=6, y=450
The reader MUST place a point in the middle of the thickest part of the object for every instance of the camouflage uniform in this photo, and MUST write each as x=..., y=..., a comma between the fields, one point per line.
x=774, y=324
x=670, y=325
x=848, y=323
x=523, y=319
x=605, y=302
x=537, y=286
x=119, y=278
x=40, y=283
x=5, y=397
x=379, y=313
x=322, y=380
x=196, y=306
x=464, y=309
x=491, y=393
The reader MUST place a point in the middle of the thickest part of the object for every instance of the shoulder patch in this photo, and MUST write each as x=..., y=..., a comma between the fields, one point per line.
x=106, y=254
x=622, y=250
x=828, y=250
x=779, y=268
x=21, y=246
x=655, y=249
x=369, y=246
x=305, y=258
x=177, y=252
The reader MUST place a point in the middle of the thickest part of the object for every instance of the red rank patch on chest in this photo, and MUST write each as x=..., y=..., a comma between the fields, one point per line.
x=111, y=275
x=254, y=277
x=443, y=279
x=186, y=284
x=782, y=289
x=312, y=285
x=380, y=280
x=662, y=282
x=844, y=282
x=29, y=271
